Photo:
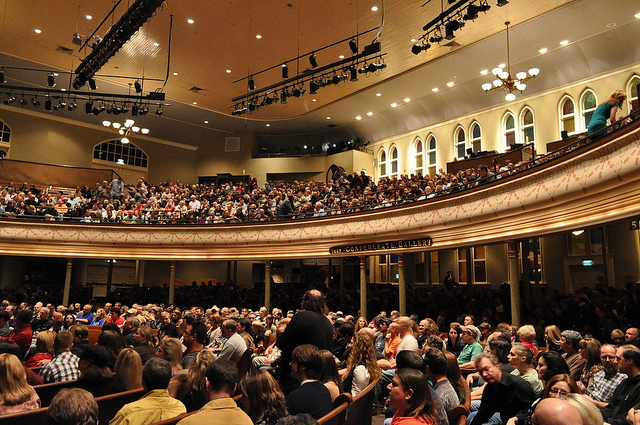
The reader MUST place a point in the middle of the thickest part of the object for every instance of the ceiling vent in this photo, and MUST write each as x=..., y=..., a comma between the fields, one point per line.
x=332, y=125
x=231, y=144
x=195, y=89
x=63, y=49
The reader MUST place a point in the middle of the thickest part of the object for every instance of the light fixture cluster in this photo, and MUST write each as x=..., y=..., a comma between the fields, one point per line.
x=450, y=21
x=505, y=80
x=125, y=129
x=130, y=22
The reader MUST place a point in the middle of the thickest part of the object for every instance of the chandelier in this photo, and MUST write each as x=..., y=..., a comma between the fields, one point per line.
x=505, y=81
x=125, y=129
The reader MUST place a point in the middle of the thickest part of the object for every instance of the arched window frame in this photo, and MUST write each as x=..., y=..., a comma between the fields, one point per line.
x=567, y=121
x=586, y=111
x=527, y=130
x=418, y=156
x=5, y=136
x=431, y=146
x=633, y=97
x=459, y=143
x=133, y=159
x=475, y=141
x=509, y=135
x=382, y=162
x=393, y=161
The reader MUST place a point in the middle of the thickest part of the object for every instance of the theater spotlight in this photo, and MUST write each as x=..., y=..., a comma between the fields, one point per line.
x=51, y=80
x=88, y=107
x=450, y=27
x=313, y=60
x=483, y=6
x=35, y=102
x=285, y=71
x=138, y=87
x=251, y=84
x=159, y=111
x=48, y=105
x=134, y=110
x=353, y=73
x=313, y=87
x=501, y=3
x=417, y=48
x=143, y=110
x=73, y=104
x=77, y=39
x=436, y=39
x=353, y=46
x=9, y=100
x=92, y=84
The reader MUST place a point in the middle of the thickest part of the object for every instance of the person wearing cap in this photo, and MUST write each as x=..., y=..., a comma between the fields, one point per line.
x=470, y=335
x=95, y=374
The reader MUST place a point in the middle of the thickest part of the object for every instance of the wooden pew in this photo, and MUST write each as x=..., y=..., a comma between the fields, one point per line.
x=359, y=411
x=94, y=333
x=32, y=417
x=339, y=412
x=47, y=392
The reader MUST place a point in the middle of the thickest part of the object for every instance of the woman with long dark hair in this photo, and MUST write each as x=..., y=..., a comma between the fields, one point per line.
x=453, y=343
x=409, y=394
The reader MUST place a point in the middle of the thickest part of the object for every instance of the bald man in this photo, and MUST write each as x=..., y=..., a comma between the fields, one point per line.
x=555, y=411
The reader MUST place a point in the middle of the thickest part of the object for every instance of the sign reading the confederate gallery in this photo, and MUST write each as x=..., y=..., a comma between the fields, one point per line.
x=380, y=246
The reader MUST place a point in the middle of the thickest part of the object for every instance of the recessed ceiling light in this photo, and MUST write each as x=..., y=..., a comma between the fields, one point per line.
x=611, y=25
x=206, y=122
x=501, y=65
x=63, y=89
x=435, y=89
x=37, y=31
x=407, y=100
x=393, y=105
x=258, y=36
x=484, y=72
x=190, y=21
x=341, y=57
x=374, y=8
x=369, y=113
x=328, y=118
x=378, y=94
x=228, y=71
x=358, y=117
x=564, y=42
x=175, y=73
x=413, y=40
x=543, y=50
x=89, y=17
x=156, y=44
x=450, y=84
x=195, y=103
x=637, y=15
x=313, y=100
x=268, y=125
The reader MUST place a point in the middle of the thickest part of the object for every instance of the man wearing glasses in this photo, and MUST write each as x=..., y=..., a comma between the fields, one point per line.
x=627, y=394
x=606, y=381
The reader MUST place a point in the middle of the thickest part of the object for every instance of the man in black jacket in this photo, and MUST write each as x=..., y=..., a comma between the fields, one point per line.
x=627, y=394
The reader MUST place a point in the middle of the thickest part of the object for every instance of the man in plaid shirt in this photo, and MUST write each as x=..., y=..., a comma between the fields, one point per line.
x=64, y=366
x=606, y=381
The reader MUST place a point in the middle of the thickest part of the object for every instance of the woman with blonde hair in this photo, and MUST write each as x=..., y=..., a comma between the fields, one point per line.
x=127, y=371
x=362, y=365
x=552, y=337
x=16, y=395
x=361, y=323
x=590, y=351
x=262, y=398
x=195, y=396
x=606, y=111
x=170, y=349
x=44, y=349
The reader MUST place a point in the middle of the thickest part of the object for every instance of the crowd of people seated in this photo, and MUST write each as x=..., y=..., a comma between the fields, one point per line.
x=189, y=360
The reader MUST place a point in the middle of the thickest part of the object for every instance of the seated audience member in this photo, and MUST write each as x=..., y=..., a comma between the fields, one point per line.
x=362, y=364
x=127, y=371
x=392, y=341
x=95, y=375
x=262, y=398
x=409, y=394
x=570, y=343
x=627, y=394
x=559, y=386
x=44, y=349
x=222, y=376
x=312, y=396
x=99, y=318
x=131, y=325
x=64, y=366
x=156, y=405
x=454, y=375
x=113, y=341
x=86, y=317
x=329, y=375
x=555, y=411
x=469, y=336
x=527, y=336
x=552, y=338
x=453, y=342
x=5, y=316
x=407, y=331
x=167, y=328
x=617, y=337
x=143, y=343
x=243, y=328
x=505, y=393
x=195, y=395
x=114, y=317
x=16, y=395
x=80, y=338
x=590, y=352
x=73, y=406
x=22, y=332
x=550, y=363
x=170, y=349
x=436, y=369
x=607, y=380
x=588, y=412
x=234, y=346
x=521, y=358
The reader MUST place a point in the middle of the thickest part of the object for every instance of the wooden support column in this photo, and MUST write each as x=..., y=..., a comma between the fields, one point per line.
x=267, y=285
x=402, y=289
x=172, y=282
x=514, y=282
x=67, y=282
x=363, y=287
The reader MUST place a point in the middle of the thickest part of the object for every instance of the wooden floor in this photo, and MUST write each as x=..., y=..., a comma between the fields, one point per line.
x=377, y=420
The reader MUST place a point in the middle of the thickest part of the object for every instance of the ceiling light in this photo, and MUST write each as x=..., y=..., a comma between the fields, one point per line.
x=637, y=15
x=125, y=140
x=156, y=44
x=374, y=8
x=450, y=84
x=435, y=89
x=341, y=57
x=369, y=113
x=393, y=105
x=328, y=118
x=37, y=31
x=313, y=60
x=413, y=40
x=543, y=50
x=417, y=48
x=258, y=36
x=285, y=71
x=268, y=125
x=358, y=117
x=190, y=21
x=484, y=72
x=407, y=100
x=353, y=46
x=51, y=80
x=175, y=73
x=228, y=71
x=564, y=42
x=88, y=17
x=195, y=103
x=378, y=94
x=159, y=111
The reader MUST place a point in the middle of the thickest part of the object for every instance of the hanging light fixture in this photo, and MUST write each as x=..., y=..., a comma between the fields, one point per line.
x=505, y=81
x=125, y=129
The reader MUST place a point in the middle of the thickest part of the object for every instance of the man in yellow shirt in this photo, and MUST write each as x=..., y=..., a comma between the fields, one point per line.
x=156, y=405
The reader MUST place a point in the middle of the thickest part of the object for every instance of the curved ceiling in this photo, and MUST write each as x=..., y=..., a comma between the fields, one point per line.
x=223, y=37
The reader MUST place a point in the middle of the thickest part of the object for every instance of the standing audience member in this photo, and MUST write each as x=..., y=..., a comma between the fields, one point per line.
x=64, y=366
x=222, y=376
x=73, y=406
x=262, y=398
x=16, y=395
x=606, y=111
x=156, y=405
x=312, y=396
